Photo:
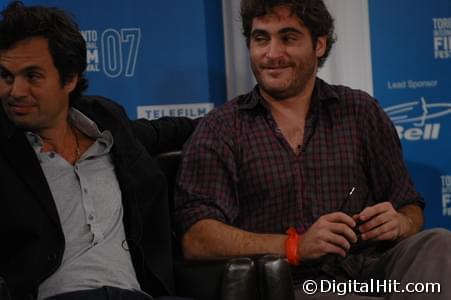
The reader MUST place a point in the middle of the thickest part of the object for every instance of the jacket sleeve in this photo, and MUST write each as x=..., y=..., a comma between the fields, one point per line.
x=164, y=134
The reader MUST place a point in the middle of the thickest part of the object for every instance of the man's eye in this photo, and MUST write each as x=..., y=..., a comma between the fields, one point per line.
x=6, y=76
x=32, y=76
x=259, y=38
x=289, y=38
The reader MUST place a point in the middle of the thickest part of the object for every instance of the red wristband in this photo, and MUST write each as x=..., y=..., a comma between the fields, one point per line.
x=292, y=246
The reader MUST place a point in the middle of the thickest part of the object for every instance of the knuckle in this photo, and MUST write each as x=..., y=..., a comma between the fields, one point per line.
x=376, y=231
x=342, y=227
x=322, y=218
x=322, y=246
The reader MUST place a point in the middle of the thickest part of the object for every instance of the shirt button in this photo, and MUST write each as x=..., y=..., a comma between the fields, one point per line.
x=85, y=190
x=51, y=257
x=91, y=217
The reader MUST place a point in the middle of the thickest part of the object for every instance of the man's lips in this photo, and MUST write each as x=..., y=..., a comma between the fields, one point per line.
x=275, y=70
x=21, y=108
x=270, y=67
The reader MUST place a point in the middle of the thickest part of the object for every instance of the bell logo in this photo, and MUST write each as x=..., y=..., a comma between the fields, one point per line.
x=411, y=118
x=428, y=132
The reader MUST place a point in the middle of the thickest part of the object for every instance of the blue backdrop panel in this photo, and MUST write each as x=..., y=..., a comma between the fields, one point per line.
x=157, y=52
x=411, y=57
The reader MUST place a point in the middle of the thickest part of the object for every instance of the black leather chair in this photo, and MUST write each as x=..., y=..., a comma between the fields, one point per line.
x=265, y=277
x=4, y=293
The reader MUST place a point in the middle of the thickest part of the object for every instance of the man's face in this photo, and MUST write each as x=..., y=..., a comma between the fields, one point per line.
x=283, y=57
x=31, y=92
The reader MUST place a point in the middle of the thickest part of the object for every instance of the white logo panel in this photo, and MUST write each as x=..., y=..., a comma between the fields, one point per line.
x=413, y=120
x=193, y=110
x=442, y=38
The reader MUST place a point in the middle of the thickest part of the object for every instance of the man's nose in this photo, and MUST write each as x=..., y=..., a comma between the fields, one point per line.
x=275, y=49
x=19, y=87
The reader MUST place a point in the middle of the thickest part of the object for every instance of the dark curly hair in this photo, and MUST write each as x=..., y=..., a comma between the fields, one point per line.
x=313, y=13
x=66, y=44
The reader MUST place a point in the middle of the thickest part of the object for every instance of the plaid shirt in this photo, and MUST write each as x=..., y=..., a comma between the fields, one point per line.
x=239, y=169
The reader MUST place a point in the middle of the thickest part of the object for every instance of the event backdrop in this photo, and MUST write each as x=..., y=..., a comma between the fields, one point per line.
x=166, y=58
x=157, y=58
x=411, y=58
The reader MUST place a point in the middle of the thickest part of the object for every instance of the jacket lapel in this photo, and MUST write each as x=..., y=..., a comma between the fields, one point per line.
x=22, y=158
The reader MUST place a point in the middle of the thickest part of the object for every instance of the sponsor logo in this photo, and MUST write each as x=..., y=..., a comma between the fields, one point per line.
x=411, y=84
x=446, y=194
x=194, y=110
x=413, y=120
x=442, y=38
x=113, y=52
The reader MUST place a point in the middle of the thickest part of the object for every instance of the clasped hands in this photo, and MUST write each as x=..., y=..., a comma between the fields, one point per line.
x=337, y=232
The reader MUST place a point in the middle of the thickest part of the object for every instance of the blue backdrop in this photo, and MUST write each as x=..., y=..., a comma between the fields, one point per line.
x=411, y=58
x=155, y=57
x=166, y=58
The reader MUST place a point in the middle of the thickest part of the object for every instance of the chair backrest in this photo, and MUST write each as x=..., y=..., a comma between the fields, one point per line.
x=169, y=163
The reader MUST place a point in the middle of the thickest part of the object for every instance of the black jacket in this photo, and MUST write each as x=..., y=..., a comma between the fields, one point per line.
x=31, y=237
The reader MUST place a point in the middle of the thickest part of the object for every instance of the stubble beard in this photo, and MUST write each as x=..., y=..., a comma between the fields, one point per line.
x=304, y=72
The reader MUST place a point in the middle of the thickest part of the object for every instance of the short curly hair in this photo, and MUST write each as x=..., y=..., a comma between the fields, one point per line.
x=66, y=44
x=313, y=13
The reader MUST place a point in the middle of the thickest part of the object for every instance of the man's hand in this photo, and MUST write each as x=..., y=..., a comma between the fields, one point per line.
x=330, y=234
x=382, y=222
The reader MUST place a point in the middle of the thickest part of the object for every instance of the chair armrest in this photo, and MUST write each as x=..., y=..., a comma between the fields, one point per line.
x=233, y=278
x=4, y=292
x=239, y=280
x=275, y=280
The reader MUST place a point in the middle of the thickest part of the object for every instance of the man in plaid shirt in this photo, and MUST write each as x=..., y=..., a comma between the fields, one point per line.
x=298, y=152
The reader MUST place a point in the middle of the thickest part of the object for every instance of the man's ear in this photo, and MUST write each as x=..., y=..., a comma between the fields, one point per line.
x=70, y=85
x=321, y=45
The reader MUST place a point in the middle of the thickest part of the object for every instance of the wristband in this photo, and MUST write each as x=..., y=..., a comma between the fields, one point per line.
x=291, y=246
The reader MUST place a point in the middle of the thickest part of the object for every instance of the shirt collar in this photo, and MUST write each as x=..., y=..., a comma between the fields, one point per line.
x=322, y=92
x=82, y=123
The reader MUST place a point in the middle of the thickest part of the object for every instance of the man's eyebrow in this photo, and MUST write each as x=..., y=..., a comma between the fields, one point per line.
x=32, y=68
x=24, y=70
x=281, y=31
x=258, y=31
x=3, y=69
x=290, y=30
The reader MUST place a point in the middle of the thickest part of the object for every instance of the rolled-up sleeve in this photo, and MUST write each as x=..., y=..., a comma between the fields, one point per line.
x=206, y=185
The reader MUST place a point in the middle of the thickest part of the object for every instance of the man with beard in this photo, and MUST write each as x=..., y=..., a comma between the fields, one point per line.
x=319, y=162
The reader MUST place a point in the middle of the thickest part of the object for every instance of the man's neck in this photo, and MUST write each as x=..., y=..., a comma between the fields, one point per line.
x=54, y=137
x=55, y=134
x=296, y=107
x=290, y=114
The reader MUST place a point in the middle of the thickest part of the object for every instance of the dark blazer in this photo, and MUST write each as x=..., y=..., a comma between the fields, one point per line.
x=31, y=237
